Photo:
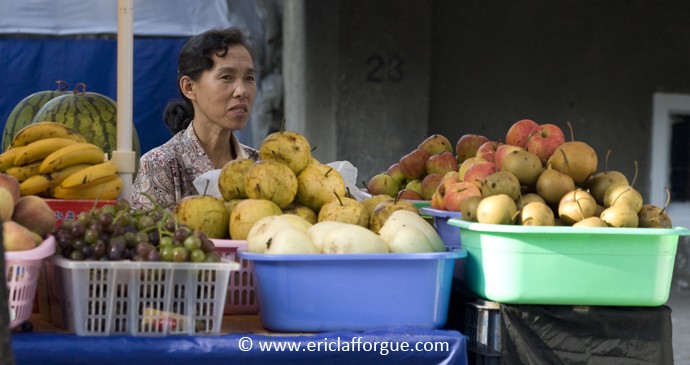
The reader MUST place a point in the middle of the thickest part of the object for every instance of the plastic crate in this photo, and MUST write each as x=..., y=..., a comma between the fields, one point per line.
x=71, y=208
x=353, y=292
x=241, y=297
x=483, y=327
x=22, y=271
x=101, y=298
x=569, y=265
x=449, y=234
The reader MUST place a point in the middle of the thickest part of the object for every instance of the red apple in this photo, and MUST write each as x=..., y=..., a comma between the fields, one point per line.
x=468, y=145
x=466, y=165
x=383, y=184
x=441, y=163
x=437, y=201
x=487, y=150
x=544, y=140
x=430, y=183
x=413, y=164
x=456, y=193
x=519, y=132
x=409, y=195
x=478, y=172
x=394, y=171
x=415, y=185
x=502, y=151
x=435, y=144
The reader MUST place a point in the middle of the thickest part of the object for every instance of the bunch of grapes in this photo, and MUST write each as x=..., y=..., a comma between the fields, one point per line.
x=121, y=232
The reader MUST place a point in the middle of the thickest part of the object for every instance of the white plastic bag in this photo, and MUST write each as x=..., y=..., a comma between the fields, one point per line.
x=210, y=178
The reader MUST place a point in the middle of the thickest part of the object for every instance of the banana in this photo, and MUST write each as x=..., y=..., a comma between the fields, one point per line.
x=91, y=175
x=24, y=172
x=43, y=130
x=41, y=183
x=109, y=190
x=57, y=177
x=78, y=153
x=34, y=185
x=41, y=148
x=7, y=158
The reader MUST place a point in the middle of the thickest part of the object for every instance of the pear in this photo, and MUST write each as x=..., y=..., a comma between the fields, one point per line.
x=351, y=238
x=620, y=215
x=408, y=239
x=468, y=208
x=497, y=209
x=401, y=219
x=651, y=216
x=232, y=179
x=319, y=230
x=301, y=211
x=576, y=159
x=501, y=182
x=528, y=198
x=436, y=144
x=264, y=229
x=591, y=222
x=19, y=238
x=231, y=204
x=371, y=202
x=291, y=241
x=205, y=213
x=623, y=194
x=525, y=165
x=601, y=181
x=287, y=147
x=552, y=185
x=537, y=214
x=346, y=210
x=273, y=181
x=317, y=184
x=576, y=206
x=34, y=213
x=384, y=210
x=248, y=212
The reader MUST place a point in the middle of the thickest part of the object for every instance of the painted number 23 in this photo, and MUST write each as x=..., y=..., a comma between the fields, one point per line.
x=382, y=69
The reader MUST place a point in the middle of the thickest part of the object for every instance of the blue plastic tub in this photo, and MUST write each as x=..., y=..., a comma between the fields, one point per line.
x=353, y=292
x=449, y=234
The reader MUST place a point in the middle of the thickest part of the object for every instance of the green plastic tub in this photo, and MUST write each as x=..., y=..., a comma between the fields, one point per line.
x=569, y=266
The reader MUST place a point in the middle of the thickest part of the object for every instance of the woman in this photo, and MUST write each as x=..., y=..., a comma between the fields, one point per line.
x=216, y=78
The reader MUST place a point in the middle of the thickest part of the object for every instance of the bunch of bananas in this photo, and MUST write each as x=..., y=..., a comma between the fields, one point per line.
x=52, y=160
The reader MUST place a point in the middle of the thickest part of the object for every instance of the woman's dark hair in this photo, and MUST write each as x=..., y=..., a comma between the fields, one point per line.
x=196, y=57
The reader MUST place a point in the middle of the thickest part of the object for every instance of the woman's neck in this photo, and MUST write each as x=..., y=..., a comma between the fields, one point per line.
x=216, y=143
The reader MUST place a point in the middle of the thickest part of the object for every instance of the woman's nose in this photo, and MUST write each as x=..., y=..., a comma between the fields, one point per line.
x=240, y=91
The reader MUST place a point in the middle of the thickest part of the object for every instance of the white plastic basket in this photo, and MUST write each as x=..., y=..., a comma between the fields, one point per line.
x=241, y=298
x=22, y=270
x=101, y=298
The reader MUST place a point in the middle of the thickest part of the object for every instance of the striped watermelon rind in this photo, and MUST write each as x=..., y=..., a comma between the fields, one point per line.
x=24, y=111
x=91, y=114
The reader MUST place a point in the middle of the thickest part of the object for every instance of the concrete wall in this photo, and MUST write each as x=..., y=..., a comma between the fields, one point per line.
x=478, y=66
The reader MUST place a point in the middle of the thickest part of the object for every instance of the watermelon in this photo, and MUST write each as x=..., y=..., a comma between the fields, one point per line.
x=91, y=114
x=23, y=113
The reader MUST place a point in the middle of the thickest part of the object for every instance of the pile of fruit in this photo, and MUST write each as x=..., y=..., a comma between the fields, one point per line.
x=536, y=177
x=121, y=232
x=287, y=180
x=26, y=220
x=52, y=160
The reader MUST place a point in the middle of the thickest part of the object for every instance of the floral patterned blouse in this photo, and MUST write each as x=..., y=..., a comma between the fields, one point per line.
x=167, y=172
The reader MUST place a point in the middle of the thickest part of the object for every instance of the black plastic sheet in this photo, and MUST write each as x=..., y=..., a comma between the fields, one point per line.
x=553, y=335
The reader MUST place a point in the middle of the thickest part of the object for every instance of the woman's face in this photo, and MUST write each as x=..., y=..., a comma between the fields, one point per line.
x=224, y=95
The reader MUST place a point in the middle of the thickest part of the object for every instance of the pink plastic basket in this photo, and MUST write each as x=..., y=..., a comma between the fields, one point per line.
x=22, y=270
x=241, y=297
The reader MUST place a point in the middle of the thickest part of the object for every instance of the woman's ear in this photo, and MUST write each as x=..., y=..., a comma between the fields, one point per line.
x=187, y=87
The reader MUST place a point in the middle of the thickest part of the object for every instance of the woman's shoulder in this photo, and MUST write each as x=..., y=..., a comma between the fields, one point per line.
x=249, y=152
